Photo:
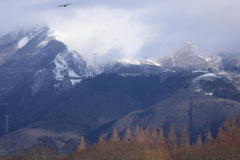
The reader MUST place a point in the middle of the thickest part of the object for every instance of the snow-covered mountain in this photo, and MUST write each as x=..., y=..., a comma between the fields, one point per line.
x=52, y=95
x=38, y=57
x=37, y=53
x=37, y=60
x=185, y=58
x=189, y=58
x=134, y=67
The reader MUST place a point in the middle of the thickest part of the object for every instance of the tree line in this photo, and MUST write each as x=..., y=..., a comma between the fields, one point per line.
x=149, y=144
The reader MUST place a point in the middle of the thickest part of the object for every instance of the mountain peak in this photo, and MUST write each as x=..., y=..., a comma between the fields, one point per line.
x=187, y=49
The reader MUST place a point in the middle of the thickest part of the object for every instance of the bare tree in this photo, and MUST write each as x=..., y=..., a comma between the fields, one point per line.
x=161, y=139
x=147, y=135
x=184, y=139
x=221, y=135
x=140, y=136
x=101, y=138
x=82, y=144
x=209, y=138
x=137, y=129
x=128, y=135
x=115, y=137
x=199, y=140
x=231, y=129
x=154, y=133
x=37, y=153
x=172, y=138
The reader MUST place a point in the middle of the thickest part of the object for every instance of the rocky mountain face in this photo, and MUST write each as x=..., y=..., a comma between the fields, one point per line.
x=34, y=69
x=202, y=105
x=38, y=54
x=52, y=97
x=189, y=58
x=133, y=68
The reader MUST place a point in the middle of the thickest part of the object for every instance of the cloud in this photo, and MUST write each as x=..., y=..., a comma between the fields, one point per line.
x=99, y=30
x=131, y=29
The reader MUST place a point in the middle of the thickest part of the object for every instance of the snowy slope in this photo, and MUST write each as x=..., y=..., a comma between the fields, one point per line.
x=38, y=56
x=134, y=67
x=188, y=57
x=227, y=76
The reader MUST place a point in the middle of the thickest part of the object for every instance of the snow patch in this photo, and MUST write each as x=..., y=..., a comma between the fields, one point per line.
x=129, y=61
x=173, y=61
x=223, y=73
x=209, y=94
x=220, y=63
x=199, y=71
x=51, y=35
x=228, y=77
x=55, y=35
x=139, y=62
x=207, y=76
x=152, y=62
x=43, y=44
x=58, y=70
x=207, y=59
x=130, y=75
x=75, y=81
x=62, y=69
x=71, y=73
x=23, y=42
x=75, y=55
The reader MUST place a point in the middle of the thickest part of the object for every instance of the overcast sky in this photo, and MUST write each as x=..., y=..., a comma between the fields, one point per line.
x=130, y=28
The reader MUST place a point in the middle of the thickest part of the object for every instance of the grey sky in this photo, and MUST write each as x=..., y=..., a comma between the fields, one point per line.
x=130, y=29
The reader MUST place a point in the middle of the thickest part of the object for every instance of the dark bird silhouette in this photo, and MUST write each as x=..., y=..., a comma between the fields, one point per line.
x=64, y=5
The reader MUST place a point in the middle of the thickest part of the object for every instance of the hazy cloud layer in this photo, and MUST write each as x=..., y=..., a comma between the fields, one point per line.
x=128, y=29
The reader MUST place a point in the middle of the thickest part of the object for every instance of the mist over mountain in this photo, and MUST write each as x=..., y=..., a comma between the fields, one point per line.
x=52, y=96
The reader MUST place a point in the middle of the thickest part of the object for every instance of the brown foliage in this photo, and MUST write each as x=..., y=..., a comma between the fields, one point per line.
x=82, y=144
x=160, y=138
x=33, y=153
x=123, y=151
x=230, y=132
x=199, y=140
x=150, y=154
x=209, y=151
x=101, y=138
x=172, y=139
x=149, y=144
x=114, y=137
x=128, y=135
x=154, y=133
x=209, y=138
x=140, y=136
x=184, y=139
x=225, y=146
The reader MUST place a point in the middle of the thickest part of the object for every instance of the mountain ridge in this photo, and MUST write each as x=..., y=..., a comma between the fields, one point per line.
x=48, y=88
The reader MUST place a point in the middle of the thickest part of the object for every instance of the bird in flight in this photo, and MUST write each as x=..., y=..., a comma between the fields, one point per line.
x=64, y=5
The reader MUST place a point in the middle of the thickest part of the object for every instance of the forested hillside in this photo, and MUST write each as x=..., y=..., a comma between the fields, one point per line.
x=149, y=144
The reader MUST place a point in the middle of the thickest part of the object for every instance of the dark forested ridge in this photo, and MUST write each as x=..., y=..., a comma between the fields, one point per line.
x=108, y=100
x=145, y=144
